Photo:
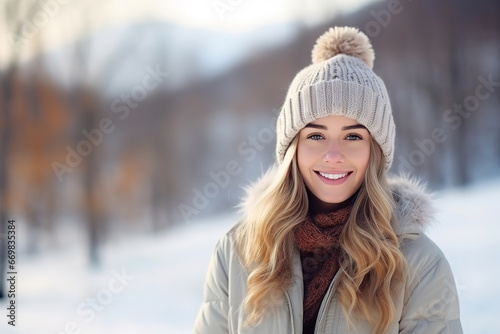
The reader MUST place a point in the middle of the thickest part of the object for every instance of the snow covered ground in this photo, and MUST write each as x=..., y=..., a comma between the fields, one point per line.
x=469, y=220
x=154, y=284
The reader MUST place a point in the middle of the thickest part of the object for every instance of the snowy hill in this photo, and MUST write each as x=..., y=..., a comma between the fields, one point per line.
x=154, y=284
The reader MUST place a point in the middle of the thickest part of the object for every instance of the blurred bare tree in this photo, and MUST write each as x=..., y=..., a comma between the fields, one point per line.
x=12, y=12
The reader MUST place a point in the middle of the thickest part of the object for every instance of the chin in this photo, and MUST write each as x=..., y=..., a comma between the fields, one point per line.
x=335, y=200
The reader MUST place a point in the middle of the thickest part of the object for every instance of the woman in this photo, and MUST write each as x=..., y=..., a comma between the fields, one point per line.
x=327, y=244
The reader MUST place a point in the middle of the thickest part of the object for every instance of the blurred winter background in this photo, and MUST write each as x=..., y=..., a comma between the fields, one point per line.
x=127, y=129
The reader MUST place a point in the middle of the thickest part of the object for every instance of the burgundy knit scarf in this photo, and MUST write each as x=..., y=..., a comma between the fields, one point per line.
x=317, y=239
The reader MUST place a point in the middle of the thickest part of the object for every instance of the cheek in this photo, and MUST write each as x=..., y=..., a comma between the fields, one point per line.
x=361, y=158
x=301, y=158
x=366, y=159
x=306, y=158
x=304, y=155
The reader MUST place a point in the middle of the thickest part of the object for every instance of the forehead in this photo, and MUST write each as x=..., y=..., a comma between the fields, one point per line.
x=335, y=119
x=335, y=123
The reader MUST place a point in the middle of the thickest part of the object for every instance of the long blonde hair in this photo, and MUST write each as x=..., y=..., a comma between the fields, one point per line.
x=373, y=269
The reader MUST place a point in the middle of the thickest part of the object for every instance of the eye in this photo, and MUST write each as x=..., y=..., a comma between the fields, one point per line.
x=353, y=136
x=315, y=137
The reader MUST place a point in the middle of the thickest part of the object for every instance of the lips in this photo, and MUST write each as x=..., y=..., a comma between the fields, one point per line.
x=333, y=178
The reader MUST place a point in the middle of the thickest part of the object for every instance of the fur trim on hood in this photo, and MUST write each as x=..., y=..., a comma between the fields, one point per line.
x=413, y=204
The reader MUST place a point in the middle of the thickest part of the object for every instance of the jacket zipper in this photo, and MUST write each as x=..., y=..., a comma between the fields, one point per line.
x=325, y=306
x=289, y=302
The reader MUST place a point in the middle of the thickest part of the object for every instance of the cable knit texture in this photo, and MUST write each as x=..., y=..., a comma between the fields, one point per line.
x=317, y=239
x=341, y=85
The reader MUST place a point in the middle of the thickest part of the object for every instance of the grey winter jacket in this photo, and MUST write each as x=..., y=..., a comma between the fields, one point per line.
x=430, y=306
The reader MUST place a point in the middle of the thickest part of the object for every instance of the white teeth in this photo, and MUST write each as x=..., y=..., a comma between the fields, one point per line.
x=333, y=176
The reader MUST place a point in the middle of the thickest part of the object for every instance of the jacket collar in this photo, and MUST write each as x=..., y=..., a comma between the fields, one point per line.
x=413, y=207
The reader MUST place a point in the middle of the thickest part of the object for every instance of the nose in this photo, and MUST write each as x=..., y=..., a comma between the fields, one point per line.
x=333, y=154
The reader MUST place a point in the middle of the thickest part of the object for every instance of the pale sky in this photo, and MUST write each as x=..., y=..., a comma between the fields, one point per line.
x=50, y=26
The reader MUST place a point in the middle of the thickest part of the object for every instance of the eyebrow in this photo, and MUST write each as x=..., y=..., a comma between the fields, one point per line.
x=344, y=128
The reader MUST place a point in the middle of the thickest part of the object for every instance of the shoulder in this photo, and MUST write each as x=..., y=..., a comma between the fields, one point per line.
x=423, y=257
x=225, y=247
x=226, y=252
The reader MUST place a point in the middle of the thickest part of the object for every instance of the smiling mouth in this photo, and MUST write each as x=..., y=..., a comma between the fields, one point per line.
x=333, y=176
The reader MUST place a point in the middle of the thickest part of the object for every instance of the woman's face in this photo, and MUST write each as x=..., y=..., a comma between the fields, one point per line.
x=332, y=156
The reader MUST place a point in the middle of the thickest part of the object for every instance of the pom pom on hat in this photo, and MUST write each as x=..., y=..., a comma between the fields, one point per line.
x=343, y=40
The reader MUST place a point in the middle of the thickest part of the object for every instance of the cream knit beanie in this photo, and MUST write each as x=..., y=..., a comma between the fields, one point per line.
x=340, y=81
